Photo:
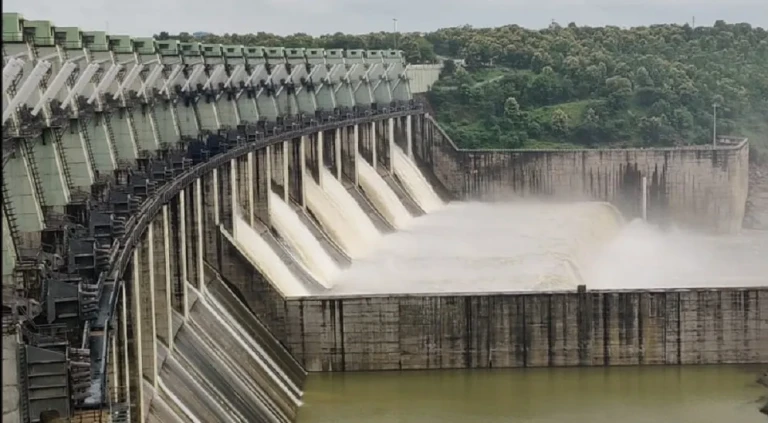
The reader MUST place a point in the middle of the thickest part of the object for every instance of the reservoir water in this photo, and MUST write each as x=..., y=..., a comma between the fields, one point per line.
x=701, y=394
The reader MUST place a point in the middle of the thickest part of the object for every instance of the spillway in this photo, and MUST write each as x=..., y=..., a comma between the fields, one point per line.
x=341, y=216
x=215, y=372
x=475, y=247
x=415, y=182
x=264, y=258
x=383, y=198
x=296, y=234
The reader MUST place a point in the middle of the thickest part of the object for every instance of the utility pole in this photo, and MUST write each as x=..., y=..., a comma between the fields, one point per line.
x=394, y=32
x=714, y=125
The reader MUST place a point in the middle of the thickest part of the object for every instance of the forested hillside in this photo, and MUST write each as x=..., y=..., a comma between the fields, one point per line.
x=566, y=87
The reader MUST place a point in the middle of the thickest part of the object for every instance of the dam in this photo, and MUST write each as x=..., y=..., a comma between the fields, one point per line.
x=190, y=229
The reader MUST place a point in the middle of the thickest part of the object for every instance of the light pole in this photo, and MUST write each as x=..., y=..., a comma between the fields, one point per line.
x=394, y=33
x=714, y=125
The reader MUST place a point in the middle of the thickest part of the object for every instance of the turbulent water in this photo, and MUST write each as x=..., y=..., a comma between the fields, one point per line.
x=643, y=256
x=415, y=182
x=266, y=260
x=486, y=247
x=340, y=216
x=382, y=196
x=311, y=253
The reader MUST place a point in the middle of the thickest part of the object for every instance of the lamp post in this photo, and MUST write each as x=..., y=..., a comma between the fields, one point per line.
x=714, y=125
x=394, y=32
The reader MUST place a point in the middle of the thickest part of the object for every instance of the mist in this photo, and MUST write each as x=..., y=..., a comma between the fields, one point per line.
x=528, y=246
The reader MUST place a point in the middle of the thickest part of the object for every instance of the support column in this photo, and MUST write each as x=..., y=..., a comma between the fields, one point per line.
x=251, y=196
x=356, y=142
x=216, y=213
x=303, y=171
x=147, y=300
x=408, y=137
x=137, y=376
x=114, y=369
x=320, y=159
x=286, y=181
x=183, y=252
x=199, y=219
x=167, y=315
x=373, y=146
x=123, y=332
x=337, y=147
x=391, y=144
x=267, y=175
x=161, y=275
x=234, y=192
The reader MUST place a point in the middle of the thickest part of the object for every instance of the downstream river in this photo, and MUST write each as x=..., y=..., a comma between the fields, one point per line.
x=696, y=394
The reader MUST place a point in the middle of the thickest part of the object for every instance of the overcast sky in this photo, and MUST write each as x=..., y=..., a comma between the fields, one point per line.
x=147, y=17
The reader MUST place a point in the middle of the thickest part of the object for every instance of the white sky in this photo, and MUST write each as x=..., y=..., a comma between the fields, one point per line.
x=147, y=17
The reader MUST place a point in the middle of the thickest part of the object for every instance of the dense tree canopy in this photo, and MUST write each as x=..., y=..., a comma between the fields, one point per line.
x=580, y=86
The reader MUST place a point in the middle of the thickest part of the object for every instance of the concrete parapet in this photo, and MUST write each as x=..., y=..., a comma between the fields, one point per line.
x=597, y=328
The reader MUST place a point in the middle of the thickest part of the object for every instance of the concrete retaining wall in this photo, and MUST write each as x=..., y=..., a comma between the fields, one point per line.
x=704, y=187
x=530, y=330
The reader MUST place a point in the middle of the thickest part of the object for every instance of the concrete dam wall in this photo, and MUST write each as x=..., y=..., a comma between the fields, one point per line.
x=700, y=187
x=173, y=215
x=592, y=328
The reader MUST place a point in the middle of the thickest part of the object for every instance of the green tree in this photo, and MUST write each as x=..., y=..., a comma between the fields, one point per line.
x=560, y=121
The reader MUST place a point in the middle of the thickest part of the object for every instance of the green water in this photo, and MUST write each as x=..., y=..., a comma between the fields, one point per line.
x=701, y=394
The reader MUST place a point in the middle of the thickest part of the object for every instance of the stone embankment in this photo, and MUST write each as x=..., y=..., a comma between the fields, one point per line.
x=756, y=216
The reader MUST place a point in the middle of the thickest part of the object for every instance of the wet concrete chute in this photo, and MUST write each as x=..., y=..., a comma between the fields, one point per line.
x=190, y=229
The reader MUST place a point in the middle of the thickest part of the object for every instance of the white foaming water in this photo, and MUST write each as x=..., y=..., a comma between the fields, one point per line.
x=383, y=198
x=415, y=182
x=311, y=254
x=341, y=216
x=644, y=256
x=266, y=260
x=476, y=247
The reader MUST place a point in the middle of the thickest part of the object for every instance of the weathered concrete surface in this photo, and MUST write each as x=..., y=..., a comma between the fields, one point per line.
x=757, y=203
x=702, y=187
x=529, y=330
x=11, y=413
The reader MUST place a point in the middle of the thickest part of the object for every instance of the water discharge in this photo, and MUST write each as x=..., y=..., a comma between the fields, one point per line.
x=476, y=247
x=311, y=253
x=383, y=198
x=266, y=261
x=414, y=182
x=341, y=216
